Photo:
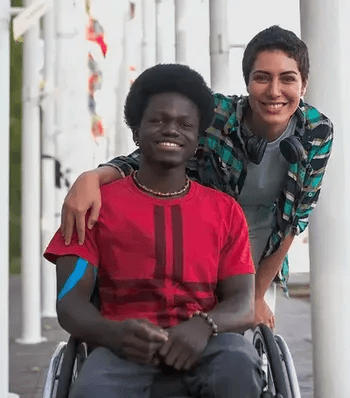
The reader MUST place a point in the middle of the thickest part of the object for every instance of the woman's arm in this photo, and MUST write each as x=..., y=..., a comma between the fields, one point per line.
x=85, y=194
x=265, y=274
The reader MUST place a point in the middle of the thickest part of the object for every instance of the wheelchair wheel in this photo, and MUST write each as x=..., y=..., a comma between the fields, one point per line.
x=73, y=359
x=82, y=353
x=289, y=366
x=51, y=379
x=277, y=381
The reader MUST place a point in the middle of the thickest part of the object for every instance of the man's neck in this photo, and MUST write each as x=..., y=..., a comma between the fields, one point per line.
x=161, y=179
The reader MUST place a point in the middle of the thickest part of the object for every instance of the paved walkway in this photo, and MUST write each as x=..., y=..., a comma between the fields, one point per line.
x=28, y=363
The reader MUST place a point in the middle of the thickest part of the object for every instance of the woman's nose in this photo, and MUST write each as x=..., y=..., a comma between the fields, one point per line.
x=274, y=89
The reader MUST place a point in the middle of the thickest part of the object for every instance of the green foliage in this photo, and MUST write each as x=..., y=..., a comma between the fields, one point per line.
x=15, y=149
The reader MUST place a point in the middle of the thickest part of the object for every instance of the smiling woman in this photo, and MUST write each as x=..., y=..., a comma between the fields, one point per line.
x=275, y=87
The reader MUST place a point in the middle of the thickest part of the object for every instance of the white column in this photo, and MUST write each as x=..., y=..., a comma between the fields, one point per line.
x=111, y=16
x=219, y=45
x=148, y=33
x=31, y=248
x=4, y=197
x=325, y=29
x=181, y=27
x=165, y=31
x=191, y=43
x=75, y=145
x=48, y=196
x=124, y=141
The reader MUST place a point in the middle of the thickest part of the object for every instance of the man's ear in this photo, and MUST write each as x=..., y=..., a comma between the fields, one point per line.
x=135, y=136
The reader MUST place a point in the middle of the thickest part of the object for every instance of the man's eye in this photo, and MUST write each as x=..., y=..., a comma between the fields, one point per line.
x=187, y=125
x=156, y=121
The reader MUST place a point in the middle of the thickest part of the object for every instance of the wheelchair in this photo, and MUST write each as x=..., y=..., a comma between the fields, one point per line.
x=277, y=365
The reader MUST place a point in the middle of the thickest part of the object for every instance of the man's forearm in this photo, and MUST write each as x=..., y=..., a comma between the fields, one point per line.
x=233, y=315
x=269, y=268
x=86, y=323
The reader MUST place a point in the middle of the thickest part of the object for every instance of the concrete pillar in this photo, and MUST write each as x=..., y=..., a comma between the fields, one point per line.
x=130, y=47
x=4, y=197
x=148, y=34
x=75, y=146
x=110, y=15
x=325, y=29
x=165, y=32
x=181, y=39
x=191, y=43
x=219, y=46
x=31, y=247
x=48, y=205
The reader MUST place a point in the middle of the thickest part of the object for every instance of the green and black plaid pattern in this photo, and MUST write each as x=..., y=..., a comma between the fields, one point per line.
x=221, y=162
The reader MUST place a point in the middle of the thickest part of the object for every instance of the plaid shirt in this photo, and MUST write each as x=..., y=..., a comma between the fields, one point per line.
x=221, y=162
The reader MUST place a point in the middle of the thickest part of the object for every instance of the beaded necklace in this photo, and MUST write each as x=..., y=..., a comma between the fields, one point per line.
x=161, y=194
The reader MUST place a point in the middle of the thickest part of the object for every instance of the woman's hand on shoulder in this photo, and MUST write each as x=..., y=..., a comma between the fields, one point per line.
x=83, y=195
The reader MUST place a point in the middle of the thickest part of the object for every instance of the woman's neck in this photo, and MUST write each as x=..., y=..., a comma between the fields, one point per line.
x=258, y=127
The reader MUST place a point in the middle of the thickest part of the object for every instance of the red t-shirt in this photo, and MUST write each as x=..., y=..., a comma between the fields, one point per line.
x=161, y=259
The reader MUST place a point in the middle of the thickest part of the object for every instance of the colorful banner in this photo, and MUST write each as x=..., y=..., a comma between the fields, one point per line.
x=95, y=34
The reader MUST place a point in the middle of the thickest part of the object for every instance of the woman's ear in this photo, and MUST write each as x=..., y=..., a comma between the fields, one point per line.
x=303, y=89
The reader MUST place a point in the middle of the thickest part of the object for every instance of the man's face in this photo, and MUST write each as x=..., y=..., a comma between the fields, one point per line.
x=275, y=88
x=168, y=134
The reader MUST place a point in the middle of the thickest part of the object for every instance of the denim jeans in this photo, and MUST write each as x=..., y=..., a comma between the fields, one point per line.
x=228, y=368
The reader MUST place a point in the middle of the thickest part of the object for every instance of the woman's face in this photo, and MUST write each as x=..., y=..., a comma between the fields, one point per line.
x=275, y=88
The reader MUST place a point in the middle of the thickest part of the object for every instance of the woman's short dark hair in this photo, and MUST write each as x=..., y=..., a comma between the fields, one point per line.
x=169, y=78
x=276, y=38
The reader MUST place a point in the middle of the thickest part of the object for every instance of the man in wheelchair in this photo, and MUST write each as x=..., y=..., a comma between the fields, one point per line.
x=176, y=278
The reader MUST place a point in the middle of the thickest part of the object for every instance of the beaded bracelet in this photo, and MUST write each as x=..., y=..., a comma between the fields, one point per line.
x=210, y=322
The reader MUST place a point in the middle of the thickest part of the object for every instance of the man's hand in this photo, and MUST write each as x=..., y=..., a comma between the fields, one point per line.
x=185, y=344
x=83, y=195
x=263, y=314
x=139, y=340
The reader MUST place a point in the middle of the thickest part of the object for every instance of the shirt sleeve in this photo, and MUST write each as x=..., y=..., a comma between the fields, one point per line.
x=88, y=251
x=319, y=156
x=208, y=166
x=125, y=164
x=235, y=256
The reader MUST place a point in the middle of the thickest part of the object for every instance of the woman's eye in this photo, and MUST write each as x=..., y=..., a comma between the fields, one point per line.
x=288, y=79
x=187, y=125
x=260, y=78
x=156, y=121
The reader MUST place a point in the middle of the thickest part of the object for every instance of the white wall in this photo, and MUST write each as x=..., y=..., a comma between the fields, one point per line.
x=247, y=18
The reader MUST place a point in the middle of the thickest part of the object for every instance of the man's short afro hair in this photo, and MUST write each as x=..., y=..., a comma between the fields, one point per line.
x=164, y=78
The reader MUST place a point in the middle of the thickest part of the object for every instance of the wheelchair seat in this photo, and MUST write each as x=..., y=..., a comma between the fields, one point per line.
x=277, y=365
